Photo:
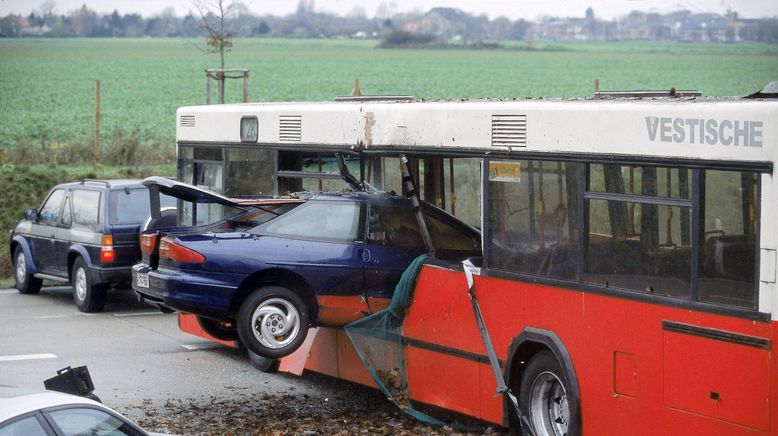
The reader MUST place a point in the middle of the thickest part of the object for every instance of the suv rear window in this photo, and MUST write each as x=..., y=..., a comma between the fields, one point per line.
x=86, y=207
x=131, y=206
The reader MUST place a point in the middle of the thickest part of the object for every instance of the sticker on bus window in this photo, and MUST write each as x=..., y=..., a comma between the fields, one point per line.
x=509, y=172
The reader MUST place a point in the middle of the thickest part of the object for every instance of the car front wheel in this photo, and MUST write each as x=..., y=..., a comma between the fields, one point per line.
x=24, y=281
x=273, y=322
x=89, y=297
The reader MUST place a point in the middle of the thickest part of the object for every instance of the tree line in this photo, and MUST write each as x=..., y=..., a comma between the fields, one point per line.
x=440, y=24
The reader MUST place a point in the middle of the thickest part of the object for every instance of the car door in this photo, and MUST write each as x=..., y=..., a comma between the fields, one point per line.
x=44, y=231
x=392, y=242
x=62, y=238
x=321, y=241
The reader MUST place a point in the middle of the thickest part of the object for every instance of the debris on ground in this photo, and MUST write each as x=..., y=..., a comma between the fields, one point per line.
x=356, y=411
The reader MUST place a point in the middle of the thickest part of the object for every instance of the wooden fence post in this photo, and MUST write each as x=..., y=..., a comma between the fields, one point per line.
x=97, y=123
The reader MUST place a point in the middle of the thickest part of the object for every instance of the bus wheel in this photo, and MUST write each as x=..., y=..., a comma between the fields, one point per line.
x=546, y=398
x=273, y=322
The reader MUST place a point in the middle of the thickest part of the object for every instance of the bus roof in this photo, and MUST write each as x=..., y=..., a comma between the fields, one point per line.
x=731, y=129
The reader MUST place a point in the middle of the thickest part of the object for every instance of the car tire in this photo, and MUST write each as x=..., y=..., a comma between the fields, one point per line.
x=23, y=280
x=546, y=398
x=264, y=364
x=217, y=329
x=88, y=296
x=273, y=322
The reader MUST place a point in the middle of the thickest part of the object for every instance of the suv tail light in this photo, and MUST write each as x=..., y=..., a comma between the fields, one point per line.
x=107, y=254
x=178, y=253
x=147, y=242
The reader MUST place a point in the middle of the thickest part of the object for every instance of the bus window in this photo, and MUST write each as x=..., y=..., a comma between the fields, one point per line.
x=250, y=171
x=728, y=247
x=636, y=260
x=532, y=217
x=634, y=241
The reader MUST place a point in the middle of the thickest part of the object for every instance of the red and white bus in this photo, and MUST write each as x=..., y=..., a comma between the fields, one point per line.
x=628, y=278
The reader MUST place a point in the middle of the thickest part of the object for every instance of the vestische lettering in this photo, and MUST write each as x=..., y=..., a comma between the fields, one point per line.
x=739, y=133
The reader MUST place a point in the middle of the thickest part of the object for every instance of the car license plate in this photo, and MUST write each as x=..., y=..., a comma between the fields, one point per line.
x=142, y=280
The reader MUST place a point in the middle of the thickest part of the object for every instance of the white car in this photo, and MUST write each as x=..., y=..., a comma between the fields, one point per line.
x=25, y=412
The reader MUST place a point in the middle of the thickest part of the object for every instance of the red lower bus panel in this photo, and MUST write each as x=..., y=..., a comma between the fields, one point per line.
x=717, y=379
x=446, y=382
x=636, y=375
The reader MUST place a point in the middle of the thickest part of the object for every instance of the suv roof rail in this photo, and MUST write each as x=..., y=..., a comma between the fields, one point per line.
x=102, y=182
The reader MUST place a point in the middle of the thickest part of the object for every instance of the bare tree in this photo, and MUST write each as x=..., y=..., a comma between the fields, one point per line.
x=213, y=14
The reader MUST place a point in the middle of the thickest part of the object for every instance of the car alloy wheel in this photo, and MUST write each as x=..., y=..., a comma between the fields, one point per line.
x=79, y=284
x=88, y=296
x=21, y=268
x=276, y=323
x=25, y=282
x=272, y=322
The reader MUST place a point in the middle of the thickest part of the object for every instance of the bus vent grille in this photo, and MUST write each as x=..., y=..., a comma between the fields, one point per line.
x=509, y=130
x=290, y=128
x=187, y=120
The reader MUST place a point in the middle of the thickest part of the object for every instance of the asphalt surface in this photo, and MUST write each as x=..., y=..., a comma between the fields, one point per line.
x=135, y=354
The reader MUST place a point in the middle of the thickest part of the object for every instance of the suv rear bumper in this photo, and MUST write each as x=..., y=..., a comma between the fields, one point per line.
x=117, y=275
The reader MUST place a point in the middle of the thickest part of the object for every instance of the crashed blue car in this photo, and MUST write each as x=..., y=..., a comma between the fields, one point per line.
x=330, y=260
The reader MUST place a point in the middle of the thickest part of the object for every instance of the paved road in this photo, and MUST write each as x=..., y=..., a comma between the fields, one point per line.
x=133, y=352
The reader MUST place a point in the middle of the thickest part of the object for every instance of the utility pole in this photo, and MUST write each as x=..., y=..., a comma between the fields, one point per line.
x=97, y=123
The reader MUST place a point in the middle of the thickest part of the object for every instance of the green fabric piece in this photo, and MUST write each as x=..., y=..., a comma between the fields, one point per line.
x=379, y=342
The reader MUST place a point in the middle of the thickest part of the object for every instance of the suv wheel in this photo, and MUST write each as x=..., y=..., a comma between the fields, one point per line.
x=273, y=322
x=88, y=296
x=24, y=281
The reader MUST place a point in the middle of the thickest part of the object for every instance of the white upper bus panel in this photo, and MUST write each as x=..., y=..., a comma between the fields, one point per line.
x=730, y=129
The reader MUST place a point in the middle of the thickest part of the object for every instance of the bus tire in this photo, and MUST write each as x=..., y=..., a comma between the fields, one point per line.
x=273, y=322
x=217, y=329
x=545, y=397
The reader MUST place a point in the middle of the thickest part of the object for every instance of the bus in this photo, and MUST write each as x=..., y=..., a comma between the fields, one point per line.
x=628, y=276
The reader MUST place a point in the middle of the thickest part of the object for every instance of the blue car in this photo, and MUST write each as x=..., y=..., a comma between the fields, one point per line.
x=330, y=260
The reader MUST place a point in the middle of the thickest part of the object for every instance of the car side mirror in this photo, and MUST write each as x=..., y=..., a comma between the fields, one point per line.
x=31, y=214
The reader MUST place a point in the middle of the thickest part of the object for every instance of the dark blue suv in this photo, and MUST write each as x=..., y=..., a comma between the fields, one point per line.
x=84, y=233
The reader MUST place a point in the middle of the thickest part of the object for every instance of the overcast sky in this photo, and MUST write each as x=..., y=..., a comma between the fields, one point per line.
x=527, y=9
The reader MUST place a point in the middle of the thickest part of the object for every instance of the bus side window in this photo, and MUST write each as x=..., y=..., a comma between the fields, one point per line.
x=533, y=217
x=638, y=239
x=728, y=248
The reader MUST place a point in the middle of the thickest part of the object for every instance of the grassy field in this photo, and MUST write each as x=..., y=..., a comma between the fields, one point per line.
x=47, y=90
x=47, y=85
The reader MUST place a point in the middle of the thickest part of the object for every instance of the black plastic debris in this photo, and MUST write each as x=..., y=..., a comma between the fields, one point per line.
x=75, y=381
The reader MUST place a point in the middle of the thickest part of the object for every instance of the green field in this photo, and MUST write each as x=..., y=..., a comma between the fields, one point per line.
x=47, y=90
x=47, y=85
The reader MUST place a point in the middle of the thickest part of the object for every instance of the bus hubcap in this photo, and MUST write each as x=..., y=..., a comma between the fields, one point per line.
x=549, y=410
